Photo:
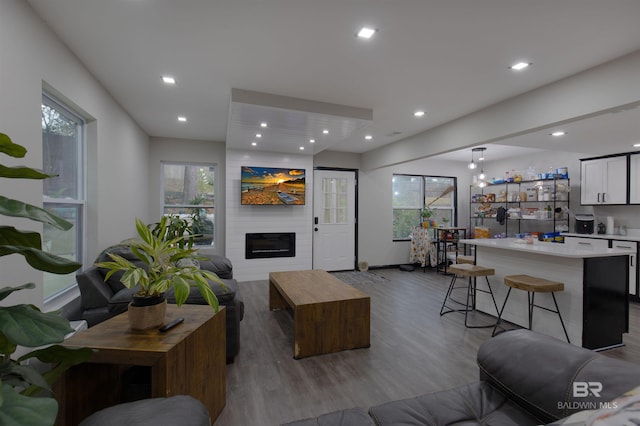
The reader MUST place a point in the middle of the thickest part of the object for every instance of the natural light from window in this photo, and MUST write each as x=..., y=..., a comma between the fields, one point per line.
x=63, y=156
x=189, y=191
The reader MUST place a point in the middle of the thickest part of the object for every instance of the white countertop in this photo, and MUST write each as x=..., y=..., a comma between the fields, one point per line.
x=616, y=237
x=546, y=248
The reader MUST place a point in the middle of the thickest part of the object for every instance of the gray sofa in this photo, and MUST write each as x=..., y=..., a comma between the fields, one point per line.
x=180, y=410
x=101, y=300
x=526, y=378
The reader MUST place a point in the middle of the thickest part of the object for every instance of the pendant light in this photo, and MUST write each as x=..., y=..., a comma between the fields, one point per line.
x=472, y=164
x=481, y=177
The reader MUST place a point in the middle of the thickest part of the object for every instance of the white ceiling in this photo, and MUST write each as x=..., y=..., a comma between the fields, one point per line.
x=608, y=133
x=447, y=57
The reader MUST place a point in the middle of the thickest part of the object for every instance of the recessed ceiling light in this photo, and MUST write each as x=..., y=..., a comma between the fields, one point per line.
x=520, y=66
x=302, y=148
x=182, y=119
x=312, y=140
x=418, y=113
x=167, y=79
x=263, y=124
x=258, y=135
x=636, y=144
x=368, y=137
x=254, y=143
x=558, y=133
x=366, y=32
x=325, y=131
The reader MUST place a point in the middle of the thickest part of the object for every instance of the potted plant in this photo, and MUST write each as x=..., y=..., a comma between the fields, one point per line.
x=426, y=215
x=201, y=225
x=161, y=268
x=176, y=228
x=25, y=325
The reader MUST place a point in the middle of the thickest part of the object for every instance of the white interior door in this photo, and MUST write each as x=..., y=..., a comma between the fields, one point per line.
x=334, y=207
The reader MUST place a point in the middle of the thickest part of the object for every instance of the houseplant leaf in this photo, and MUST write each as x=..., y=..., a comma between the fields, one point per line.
x=42, y=261
x=27, y=326
x=10, y=236
x=20, y=410
x=15, y=208
x=12, y=149
x=61, y=358
x=180, y=289
x=6, y=291
x=207, y=293
x=19, y=375
x=22, y=172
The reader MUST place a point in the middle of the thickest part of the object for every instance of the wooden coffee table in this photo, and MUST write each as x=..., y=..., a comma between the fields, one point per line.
x=189, y=359
x=329, y=315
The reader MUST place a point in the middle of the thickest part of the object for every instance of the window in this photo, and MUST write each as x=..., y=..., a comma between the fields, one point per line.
x=63, y=155
x=334, y=191
x=188, y=191
x=412, y=193
x=407, y=202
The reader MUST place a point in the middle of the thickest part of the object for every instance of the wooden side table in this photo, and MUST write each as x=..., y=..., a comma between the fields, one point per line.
x=189, y=359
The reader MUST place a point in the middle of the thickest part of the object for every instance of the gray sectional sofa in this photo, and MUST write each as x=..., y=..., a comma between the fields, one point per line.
x=526, y=378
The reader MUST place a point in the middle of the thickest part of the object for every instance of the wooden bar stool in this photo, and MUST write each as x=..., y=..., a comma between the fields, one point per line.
x=532, y=285
x=466, y=259
x=471, y=272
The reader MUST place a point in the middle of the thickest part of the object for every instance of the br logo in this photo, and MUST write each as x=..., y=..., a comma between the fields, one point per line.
x=584, y=389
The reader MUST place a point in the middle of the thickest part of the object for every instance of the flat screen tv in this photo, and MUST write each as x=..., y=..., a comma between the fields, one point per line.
x=272, y=186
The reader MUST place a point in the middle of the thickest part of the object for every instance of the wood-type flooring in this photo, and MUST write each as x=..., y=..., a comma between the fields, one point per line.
x=413, y=351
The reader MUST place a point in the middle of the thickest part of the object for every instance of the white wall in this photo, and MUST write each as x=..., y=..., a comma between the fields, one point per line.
x=375, y=213
x=241, y=220
x=336, y=159
x=32, y=57
x=189, y=151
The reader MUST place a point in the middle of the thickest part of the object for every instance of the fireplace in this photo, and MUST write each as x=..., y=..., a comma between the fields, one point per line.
x=273, y=244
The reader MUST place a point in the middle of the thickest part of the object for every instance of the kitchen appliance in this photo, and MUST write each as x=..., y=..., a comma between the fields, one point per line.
x=602, y=229
x=584, y=223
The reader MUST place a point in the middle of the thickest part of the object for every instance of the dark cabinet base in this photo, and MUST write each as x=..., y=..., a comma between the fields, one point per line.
x=605, y=302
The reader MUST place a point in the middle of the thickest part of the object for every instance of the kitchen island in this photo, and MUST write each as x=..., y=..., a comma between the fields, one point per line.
x=594, y=302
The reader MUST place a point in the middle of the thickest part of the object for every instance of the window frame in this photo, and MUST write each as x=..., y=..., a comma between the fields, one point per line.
x=164, y=206
x=80, y=202
x=418, y=208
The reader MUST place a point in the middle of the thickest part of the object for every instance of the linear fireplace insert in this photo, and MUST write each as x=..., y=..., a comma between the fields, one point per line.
x=270, y=244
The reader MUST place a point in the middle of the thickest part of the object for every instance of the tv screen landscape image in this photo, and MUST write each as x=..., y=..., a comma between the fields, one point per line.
x=272, y=185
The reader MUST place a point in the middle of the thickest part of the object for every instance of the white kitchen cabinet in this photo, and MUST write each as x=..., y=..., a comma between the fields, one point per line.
x=632, y=262
x=591, y=243
x=604, y=181
x=634, y=179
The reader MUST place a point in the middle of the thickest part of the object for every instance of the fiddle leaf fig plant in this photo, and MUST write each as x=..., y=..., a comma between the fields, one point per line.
x=21, y=385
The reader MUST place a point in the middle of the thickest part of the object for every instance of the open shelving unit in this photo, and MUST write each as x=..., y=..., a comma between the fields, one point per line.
x=529, y=206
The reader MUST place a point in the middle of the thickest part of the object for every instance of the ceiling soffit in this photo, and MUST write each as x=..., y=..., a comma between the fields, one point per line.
x=291, y=123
